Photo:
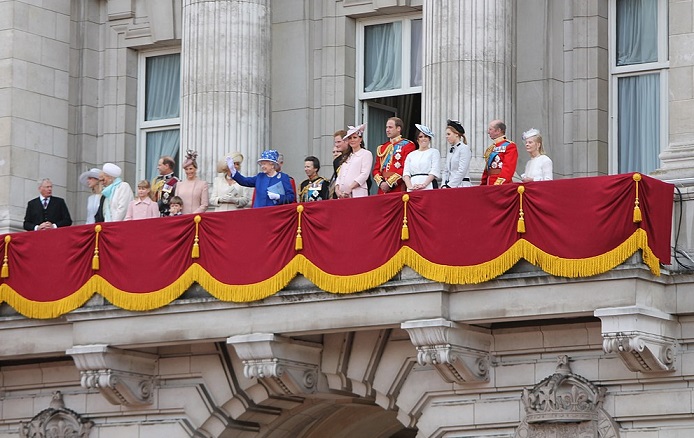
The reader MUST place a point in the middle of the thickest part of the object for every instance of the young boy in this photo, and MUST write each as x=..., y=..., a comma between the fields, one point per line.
x=142, y=207
x=175, y=206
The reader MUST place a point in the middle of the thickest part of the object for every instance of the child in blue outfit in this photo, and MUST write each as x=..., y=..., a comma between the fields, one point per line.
x=271, y=186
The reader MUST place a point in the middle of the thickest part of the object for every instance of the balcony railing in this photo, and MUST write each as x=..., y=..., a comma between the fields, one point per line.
x=570, y=228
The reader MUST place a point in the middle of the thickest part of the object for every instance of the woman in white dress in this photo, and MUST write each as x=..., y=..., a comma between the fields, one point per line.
x=539, y=167
x=423, y=165
x=227, y=194
x=457, y=170
x=90, y=179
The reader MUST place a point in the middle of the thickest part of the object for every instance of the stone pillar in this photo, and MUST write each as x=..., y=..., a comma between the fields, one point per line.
x=468, y=69
x=34, y=87
x=225, y=61
x=678, y=158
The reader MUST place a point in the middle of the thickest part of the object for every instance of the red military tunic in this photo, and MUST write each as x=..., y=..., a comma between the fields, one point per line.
x=390, y=162
x=500, y=161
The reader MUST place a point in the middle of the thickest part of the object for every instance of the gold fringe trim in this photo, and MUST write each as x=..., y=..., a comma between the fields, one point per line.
x=5, y=272
x=522, y=249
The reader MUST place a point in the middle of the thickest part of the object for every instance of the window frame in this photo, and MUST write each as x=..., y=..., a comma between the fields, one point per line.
x=660, y=67
x=146, y=126
x=405, y=88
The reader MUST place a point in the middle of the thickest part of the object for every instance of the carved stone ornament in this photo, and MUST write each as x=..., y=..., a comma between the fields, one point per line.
x=284, y=366
x=122, y=377
x=563, y=397
x=644, y=338
x=56, y=422
x=459, y=352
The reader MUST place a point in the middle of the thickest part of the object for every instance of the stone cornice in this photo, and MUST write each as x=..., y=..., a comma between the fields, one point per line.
x=122, y=377
x=644, y=338
x=283, y=366
x=459, y=352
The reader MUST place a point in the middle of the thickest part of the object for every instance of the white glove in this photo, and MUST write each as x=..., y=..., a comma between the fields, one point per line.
x=228, y=198
x=230, y=165
x=273, y=196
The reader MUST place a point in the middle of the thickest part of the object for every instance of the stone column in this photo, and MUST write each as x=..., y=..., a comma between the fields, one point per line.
x=678, y=158
x=468, y=69
x=225, y=61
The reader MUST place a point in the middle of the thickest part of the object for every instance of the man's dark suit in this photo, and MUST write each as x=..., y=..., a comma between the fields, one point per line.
x=56, y=213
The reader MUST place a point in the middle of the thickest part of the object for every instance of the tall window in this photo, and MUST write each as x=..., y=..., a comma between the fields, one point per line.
x=158, y=110
x=390, y=57
x=639, y=83
x=389, y=74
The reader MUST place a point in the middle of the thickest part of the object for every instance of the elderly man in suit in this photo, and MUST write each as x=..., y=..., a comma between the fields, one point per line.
x=47, y=211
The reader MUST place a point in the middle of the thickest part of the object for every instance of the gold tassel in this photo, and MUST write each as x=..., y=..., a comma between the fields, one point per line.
x=299, y=244
x=637, y=209
x=95, y=259
x=405, y=234
x=5, y=267
x=521, y=220
x=196, y=246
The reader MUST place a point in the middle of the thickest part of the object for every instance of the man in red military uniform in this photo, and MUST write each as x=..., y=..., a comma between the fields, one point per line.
x=500, y=158
x=390, y=158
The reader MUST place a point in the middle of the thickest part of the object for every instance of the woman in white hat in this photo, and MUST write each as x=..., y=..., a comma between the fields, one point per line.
x=90, y=179
x=227, y=194
x=194, y=192
x=539, y=167
x=117, y=192
x=423, y=165
x=355, y=171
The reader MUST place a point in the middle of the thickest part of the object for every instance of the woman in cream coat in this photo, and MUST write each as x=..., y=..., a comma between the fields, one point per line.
x=227, y=194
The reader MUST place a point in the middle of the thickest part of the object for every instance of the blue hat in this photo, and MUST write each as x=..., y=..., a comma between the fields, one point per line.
x=424, y=130
x=269, y=155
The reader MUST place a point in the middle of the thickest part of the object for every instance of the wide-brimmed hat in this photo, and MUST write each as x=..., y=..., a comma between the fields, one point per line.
x=91, y=173
x=237, y=157
x=424, y=130
x=111, y=169
x=354, y=130
x=269, y=155
x=456, y=125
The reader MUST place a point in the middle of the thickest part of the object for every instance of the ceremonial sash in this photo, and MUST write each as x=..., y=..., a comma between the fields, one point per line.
x=386, y=160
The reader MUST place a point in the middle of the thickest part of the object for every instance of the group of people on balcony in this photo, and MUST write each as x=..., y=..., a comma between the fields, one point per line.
x=399, y=166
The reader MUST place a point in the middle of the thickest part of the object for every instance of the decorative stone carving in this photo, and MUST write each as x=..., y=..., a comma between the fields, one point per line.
x=459, y=352
x=285, y=367
x=565, y=405
x=56, y=422
x=644, y=338
x=563, y=397
x=123, y=377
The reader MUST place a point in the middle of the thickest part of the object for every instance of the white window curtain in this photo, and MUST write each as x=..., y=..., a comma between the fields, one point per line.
x=159, y=144
x=637, y=31
x=417, y=57
x=163, y=87
x=382, y=56
x=639, y=123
